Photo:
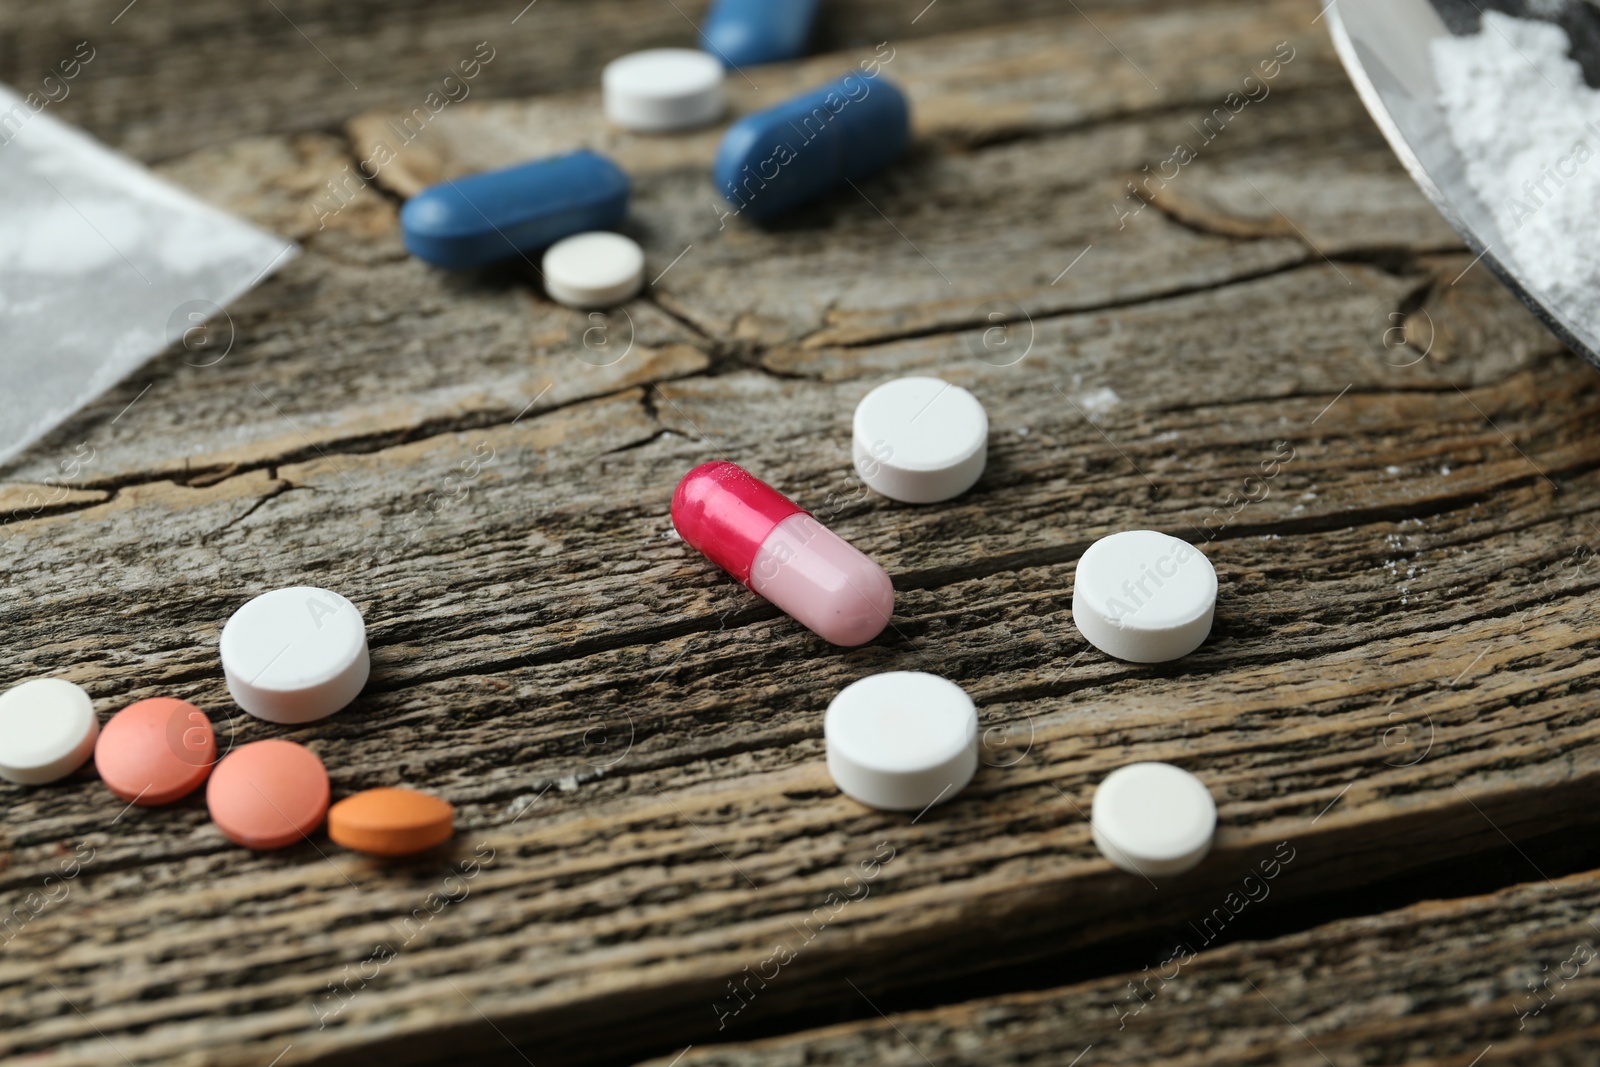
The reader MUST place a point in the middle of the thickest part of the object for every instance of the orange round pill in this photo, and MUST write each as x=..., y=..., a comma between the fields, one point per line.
x=268, y=794
x=155, y=751
x=391, y=822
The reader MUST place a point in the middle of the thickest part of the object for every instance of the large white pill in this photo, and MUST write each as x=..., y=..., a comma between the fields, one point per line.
x=902, y=740
x=663, y=89
x=1143, y=596
x=593, y=270
x=47, y=731
x=920, y=440
x=294, y=655
x=1153, y=818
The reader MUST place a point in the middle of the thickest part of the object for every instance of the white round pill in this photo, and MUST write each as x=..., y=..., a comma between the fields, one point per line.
x=663, y=89
x=294, y=655
x=1144, y=596
x=593, y=270
x=47, y=731
x=920, y=440
x=1153, y=818
x=901, y=741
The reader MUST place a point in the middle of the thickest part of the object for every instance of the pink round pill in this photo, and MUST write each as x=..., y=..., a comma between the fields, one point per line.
x=268, y=794
x=155, y=751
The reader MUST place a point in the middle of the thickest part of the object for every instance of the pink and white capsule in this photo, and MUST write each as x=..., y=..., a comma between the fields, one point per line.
x=780, y=552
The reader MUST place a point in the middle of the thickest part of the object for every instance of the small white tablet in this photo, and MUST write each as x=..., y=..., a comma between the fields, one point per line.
x=47, y=731
x=1144, y=596
x=295, y=655
x=598, y=269
x=901, y=741
x=920, y=440
x=663, y=89
x=1153, y=819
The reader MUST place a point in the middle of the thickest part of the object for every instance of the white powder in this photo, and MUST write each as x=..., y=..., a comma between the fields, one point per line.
x=102, y=265
x=1098, y=401
x=1529, y=130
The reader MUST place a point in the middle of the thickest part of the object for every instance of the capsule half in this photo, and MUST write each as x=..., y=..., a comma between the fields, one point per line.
x=780, y=552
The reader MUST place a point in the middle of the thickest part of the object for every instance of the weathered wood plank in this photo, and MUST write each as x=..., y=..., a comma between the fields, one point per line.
x=626, y=732
x=488, y=695
x=478, y=348
x=353, y=345
x=1045, y=76
x=1008, y=222
x=167, y=77
x=1507, y=977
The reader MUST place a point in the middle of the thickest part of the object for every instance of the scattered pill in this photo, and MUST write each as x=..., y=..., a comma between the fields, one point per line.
x=1153, y=818
x=268, y=794
x=746, y=32
x=1143, y=596
x=763, y=539
x=501, y=214
x=296, y=654
x=390, y=822
x=155, y=751
x=920, y=440
x=47, y=731
x=593, y=270
x=901, y=741
x=774, y=161
x=663, y=89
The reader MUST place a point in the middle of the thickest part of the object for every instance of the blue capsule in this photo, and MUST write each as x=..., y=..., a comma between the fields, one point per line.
x=777, y=160
x=744, y=32
x=484, y=218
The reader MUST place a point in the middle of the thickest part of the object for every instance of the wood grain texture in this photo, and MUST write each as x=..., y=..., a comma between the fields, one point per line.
x=1507, y=977
x=1401, y=669
x=168, y=77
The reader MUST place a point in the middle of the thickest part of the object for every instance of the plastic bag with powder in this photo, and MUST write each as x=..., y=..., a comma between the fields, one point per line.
x=102, y=265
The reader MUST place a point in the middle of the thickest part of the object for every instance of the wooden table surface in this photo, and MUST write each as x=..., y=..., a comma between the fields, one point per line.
x=1274, y=348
